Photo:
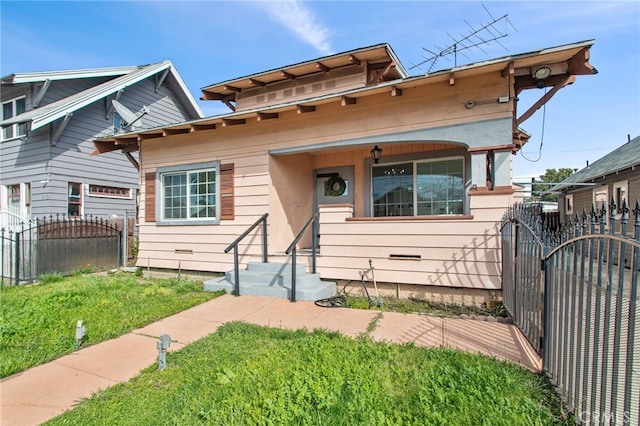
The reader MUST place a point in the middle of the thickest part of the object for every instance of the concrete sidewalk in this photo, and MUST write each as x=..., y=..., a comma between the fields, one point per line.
x=43, y=392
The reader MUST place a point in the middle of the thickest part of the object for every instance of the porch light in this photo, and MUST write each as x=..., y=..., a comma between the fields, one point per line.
x=376, y=153
x=541, y=74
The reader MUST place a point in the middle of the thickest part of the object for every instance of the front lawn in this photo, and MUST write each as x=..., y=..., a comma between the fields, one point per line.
x=249, y=375
x=38, y=322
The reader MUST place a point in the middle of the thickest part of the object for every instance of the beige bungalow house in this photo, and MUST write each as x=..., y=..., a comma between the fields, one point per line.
x=407, y=174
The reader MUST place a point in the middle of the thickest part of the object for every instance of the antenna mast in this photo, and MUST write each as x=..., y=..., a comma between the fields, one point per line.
x=486, y=34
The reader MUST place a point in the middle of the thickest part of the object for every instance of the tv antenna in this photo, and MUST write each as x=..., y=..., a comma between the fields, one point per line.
x=128, y=117
x=487, y=33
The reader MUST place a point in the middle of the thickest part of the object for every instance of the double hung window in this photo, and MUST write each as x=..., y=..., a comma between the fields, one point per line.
x=11, y=109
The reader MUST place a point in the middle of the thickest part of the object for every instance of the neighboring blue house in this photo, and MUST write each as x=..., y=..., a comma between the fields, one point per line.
x=49, y=120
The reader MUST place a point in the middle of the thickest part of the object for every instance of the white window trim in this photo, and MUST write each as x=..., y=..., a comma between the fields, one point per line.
x=186, y=168
x=568, y=204
x=621, y=185
x=415, y=163
x=15, y=126
x=598, y=203
x=105, y=195
x=82, y=200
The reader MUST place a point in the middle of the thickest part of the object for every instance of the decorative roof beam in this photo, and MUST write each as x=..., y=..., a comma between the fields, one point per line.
x=322, y=67
x=305, y=108
x=38, y=98
x=345, y=100
x=354, y=60
x=579, y=63
x=226, y=122
x=160, y=79
x=232, y=88
x=101, y=147
x=257, y=82
x=287, y=75
x=267, y=115
x=396, y=91
x=568, y=79
x=214, y=96
x=452, y=79
x=509, y=70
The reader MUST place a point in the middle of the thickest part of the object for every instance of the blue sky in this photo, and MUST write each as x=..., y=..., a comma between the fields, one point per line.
x=212, y=41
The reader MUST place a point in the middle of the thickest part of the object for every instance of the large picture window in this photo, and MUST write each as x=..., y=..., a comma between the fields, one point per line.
x=190, y=195
x=9, y=110
x=419, y=188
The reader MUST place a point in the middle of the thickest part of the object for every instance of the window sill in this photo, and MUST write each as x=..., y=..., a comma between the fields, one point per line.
x=188, y=222
x=409, y=218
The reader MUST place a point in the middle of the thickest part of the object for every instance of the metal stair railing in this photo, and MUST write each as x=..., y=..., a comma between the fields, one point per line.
x=313, y=222
x=234, y=246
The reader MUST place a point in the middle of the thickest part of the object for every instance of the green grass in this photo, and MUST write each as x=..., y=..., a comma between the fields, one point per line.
x=38, y=322
x=250, y=375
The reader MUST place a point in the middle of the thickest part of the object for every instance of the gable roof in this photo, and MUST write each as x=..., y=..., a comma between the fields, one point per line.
x=34, y=77
x=376, y=54
x=49, y=113
x=624, y=157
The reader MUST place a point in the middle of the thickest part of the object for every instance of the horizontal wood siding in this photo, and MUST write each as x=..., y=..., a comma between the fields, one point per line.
x=456, y=253
x=452, y=253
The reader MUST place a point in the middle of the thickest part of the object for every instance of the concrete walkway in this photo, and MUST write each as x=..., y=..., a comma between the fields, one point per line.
x=46, y=391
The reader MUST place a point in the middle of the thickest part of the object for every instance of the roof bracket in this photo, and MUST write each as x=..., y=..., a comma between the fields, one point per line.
x=41, y=93
x=569, y=79
x=132, y=160
x=60, y=129
x=160, y=79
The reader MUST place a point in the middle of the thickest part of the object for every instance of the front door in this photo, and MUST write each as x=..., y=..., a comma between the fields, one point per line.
x=334, y=186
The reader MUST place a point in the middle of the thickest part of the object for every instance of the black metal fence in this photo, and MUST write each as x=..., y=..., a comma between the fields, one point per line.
x=574, y=294
x=58, y=244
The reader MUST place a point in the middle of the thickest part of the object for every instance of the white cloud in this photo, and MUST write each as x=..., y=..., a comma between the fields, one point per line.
x=295, y=16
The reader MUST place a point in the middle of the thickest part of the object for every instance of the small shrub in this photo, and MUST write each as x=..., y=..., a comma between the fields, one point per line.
x=51, y=277
x=86, y=270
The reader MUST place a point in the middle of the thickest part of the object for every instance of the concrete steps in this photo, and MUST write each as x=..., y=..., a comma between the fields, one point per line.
x=274, y=280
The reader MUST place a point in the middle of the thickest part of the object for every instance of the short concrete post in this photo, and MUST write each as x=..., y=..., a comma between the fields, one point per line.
x=163, y=345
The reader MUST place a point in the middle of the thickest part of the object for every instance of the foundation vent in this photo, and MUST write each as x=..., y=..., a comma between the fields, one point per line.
x=405, y=257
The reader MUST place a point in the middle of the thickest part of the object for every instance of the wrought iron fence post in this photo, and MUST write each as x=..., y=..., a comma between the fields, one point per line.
x=16, y=267
x=633, y=302
x=516, y=278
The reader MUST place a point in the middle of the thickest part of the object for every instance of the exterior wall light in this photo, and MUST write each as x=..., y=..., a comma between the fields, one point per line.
x=376, y=153
x=541, y=74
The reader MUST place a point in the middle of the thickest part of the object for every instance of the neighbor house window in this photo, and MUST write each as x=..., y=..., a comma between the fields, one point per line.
x=191, y=196
x=568, y=204
x=419, y=188
x=11, y=109
x=620, y=190
x=601, y=197
x=109, y=191
x=75, y=199
x=13, y=195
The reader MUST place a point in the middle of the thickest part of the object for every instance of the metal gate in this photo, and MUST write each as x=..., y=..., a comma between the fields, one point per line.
x=574, y=294
x=58, y=244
